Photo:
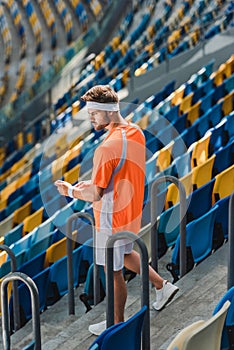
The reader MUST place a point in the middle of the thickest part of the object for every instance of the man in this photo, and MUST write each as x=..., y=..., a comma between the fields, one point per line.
x=116, y=190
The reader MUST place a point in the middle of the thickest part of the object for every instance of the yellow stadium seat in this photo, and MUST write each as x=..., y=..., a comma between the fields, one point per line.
x=230, y=63
x=23, y=179
x=16, y=166
x=172, y=196
x=164, y=157
x=72, y=175
x=224, y=184
x=10, y=188
x=186, y=103
x=227, y=106
x=20, y=140
x=200, y=151
x=33, y=221
x=21, y=213
x=58, y=168
x=143, y=122
x=1, y=240
x=3, y=204
x=177, y=95
x=58, y=250
x=201, y=174
x=193, y=113
x=3, y=257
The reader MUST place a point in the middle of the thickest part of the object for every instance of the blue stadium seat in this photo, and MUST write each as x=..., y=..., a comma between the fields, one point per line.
x=229, y=127
x=14, y=235
x=58, y=285
x=217, y=137
x=221, y=221
x=125, y=335
x=42, y=231
x=224, y=158
x=227, y=340
x=200, y=201
x=33, y=266
x=199, y=242
x=229, y=84
x=41, y=280
x=206, y=102
x=183, y=164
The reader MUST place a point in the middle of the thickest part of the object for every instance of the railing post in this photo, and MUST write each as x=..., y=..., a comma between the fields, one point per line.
x=154, y=215
x=16, y=310
x=34, y=303
x=230, y=282
x=71, y=298
x=144, y=272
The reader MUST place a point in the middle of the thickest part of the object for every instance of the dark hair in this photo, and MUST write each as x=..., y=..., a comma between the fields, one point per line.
x=102, y=94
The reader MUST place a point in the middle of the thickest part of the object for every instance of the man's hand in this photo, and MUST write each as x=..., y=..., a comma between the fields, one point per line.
x=62, y=187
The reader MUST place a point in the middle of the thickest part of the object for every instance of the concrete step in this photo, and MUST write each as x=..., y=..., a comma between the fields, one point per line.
x=200, y=290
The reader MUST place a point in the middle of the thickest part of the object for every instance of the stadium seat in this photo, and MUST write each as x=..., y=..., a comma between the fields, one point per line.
x=58, y=249
x=33, y=221
x=42, y=281
x=193, y=113
x=58, y=283
x=227, y=106
x=200, y=201
x=7, y=224
x=228, y=329
x=224, y=184
x=199, y=241
x=14, y=235
x=183, y=164
x=21, y=213
x=172, y=196
x=42, y=230
x=200, y=151
x=221, y=222
x=205, y=333
x=223, y=158
x=33, y=266
x=129, y=330
x=201, y=174
x=178, y=342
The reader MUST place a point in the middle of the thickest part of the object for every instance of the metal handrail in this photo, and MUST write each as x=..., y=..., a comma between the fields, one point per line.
x=71, y=297
x=144, y=272
x=230, y=281
x=35, y=308
x=154, y=216
x=16, y=311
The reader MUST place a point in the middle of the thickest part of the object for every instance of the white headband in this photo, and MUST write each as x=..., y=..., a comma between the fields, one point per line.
x=113, y=107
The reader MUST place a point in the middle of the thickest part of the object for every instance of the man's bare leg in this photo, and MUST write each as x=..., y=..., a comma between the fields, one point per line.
x=120, y=296
x=132, y=262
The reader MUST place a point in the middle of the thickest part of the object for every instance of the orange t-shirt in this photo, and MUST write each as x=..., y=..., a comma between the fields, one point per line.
x=119, y=168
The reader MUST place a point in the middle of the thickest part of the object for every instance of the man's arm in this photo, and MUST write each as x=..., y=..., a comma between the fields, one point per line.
x=84, y=190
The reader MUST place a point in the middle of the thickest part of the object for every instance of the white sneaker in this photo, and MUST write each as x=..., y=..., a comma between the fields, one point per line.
x=97, y=328
x=164, y=295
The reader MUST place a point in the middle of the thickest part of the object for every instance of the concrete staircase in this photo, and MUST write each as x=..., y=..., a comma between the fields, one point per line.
x=199, y=292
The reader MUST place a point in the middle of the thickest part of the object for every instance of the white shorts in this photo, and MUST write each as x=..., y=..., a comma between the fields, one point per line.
x=121, y=247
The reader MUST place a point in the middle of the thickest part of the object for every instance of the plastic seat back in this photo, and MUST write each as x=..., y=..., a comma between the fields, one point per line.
x=208, y=336
x=125, y=335
x=58, y=275
x=227, y=340
x=224, y=184
x=203, y=173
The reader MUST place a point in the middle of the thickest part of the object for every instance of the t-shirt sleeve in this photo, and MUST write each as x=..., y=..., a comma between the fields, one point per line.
x=103, y=166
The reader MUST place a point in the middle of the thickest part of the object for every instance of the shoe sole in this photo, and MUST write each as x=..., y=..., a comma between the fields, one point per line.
x=168, y=300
